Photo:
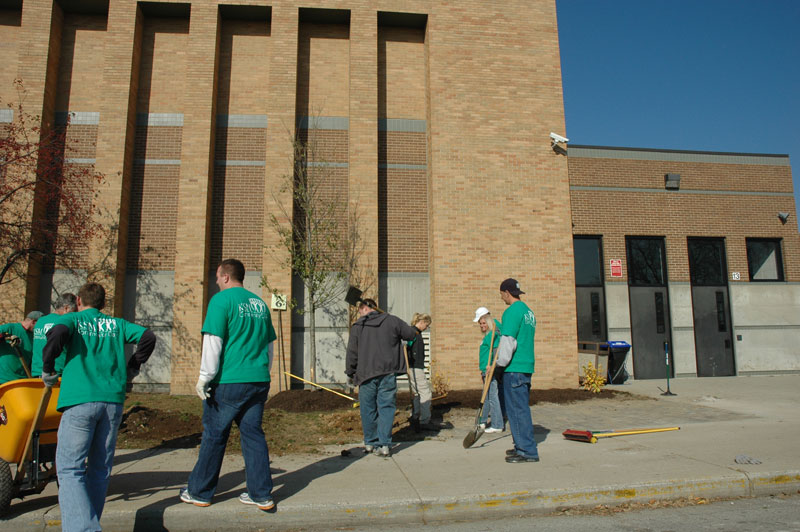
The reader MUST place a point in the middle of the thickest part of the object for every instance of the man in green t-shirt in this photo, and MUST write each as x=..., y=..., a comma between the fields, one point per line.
x=65, y=303
x=234, y=385
x=92, y=393
x=515, y=354
x=16, y=337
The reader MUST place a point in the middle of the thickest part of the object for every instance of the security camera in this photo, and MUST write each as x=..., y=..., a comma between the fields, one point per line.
x=557, y=138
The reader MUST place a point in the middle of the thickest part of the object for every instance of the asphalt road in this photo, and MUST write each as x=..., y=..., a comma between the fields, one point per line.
x=762, y=514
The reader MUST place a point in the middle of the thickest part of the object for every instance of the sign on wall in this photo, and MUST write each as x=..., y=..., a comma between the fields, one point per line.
x=616, y=267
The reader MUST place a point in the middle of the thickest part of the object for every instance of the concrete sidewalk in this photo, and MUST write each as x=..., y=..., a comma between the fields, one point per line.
x=438, y=479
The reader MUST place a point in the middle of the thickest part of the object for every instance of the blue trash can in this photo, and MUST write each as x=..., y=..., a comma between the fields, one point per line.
x=617, y=353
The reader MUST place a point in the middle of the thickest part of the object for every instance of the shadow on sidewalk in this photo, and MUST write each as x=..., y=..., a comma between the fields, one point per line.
x=540, y=434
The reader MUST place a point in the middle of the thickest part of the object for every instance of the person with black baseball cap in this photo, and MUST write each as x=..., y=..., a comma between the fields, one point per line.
x=516, y=355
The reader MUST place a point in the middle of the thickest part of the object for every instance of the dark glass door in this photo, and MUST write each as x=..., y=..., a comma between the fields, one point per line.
x=649, y=301
x=713, y=338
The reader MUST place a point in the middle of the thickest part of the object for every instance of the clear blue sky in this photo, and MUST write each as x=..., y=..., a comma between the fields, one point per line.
x=715, y=75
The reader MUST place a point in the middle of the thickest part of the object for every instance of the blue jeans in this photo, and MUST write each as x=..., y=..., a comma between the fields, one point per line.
x=87, y=437
x=377, y=398
x=517, y=388
x=492, y=406
x=244, y=404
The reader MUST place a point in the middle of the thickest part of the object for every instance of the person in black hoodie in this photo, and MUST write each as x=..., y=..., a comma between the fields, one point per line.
x=374, y=358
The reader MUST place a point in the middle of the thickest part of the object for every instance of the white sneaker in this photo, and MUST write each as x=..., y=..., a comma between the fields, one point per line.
x=492, y=430
x=382, y=451
x=482, y=426
x=265, y=505
x=369, y=448
x=187, y=498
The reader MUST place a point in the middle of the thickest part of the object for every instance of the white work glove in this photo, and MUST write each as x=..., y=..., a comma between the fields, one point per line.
x=202, y=388
x=50, y=379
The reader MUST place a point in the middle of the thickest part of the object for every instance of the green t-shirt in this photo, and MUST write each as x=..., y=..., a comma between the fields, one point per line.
x=520, y=323
x=44, y=324
x=483, y=359
x=243, y=321
x=95, y=368
x=10, y=367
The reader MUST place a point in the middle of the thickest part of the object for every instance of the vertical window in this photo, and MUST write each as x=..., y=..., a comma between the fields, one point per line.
x=764, y=259
x=647, y=263
x=588, y=261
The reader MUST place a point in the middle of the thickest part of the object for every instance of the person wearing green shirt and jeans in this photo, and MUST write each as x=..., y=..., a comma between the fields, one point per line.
x=515, y=354
x=92, y=393
x=494, y=401
x=234, y=385
x=64, y=304
x=20, y=334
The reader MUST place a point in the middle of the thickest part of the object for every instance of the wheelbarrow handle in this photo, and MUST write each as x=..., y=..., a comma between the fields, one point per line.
x=37, y=419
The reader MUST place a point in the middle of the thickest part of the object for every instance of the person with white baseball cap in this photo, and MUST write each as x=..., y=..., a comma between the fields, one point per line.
x=494, y=409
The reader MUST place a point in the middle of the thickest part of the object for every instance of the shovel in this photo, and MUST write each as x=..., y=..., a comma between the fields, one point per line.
x=22, y=361
x=473, y=435
x=353, y=297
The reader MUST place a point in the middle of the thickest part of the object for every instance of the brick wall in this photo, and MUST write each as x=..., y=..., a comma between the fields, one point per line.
x=478, y=162
x=716, y=199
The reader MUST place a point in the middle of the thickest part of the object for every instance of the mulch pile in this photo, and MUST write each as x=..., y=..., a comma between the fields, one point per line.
x=323, y=401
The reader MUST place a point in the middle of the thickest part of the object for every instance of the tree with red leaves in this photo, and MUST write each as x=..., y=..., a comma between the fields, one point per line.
x=46, y=200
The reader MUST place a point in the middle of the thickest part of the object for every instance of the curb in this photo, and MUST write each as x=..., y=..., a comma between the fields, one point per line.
x=229, y=516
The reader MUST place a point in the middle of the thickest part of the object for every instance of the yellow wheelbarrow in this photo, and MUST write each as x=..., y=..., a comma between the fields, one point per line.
x=28, y=435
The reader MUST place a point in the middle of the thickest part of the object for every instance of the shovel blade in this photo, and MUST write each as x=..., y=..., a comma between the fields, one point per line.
x=353, y=296
x=471, y=437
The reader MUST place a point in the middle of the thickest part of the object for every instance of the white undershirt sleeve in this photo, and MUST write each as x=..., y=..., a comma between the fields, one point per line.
x=270, y=352
x=209, y=363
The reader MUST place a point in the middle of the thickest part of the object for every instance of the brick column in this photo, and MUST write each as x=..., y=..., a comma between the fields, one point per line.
x=114, y=154
x=192, y=234
x=281, y=111
x=39, y=50
x=364, y=130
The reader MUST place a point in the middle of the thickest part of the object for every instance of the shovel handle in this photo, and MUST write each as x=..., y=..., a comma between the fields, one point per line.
x=22, y=361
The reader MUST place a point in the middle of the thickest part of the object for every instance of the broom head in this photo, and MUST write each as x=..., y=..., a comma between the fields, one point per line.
x=579, y=435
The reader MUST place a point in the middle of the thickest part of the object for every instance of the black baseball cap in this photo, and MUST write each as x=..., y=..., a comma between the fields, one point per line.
x=511, y=286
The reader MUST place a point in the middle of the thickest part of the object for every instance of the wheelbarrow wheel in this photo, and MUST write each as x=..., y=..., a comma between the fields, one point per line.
x=6, y=487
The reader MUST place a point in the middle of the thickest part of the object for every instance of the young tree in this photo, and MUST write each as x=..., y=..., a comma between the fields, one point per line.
x=324, y=246
x=46, y=207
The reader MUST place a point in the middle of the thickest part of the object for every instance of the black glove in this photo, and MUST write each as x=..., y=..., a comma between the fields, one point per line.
x=12, y=340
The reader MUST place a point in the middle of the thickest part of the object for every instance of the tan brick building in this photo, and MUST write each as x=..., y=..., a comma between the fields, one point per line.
x=433, y=119
x=190, y=109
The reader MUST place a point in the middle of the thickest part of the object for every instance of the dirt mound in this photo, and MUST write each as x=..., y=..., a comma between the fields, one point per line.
x=322, y=401
x=308, y=401
x=299, y=421
x=159, y=428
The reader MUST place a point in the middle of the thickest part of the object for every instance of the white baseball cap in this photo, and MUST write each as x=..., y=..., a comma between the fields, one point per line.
x=479, y=313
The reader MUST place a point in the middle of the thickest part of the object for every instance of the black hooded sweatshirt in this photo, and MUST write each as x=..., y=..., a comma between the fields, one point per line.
x=375, y=347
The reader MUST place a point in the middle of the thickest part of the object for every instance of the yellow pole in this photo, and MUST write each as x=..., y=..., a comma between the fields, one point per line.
x=318, y=386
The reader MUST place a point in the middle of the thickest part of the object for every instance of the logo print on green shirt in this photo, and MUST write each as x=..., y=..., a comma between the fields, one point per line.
x=254, y=308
